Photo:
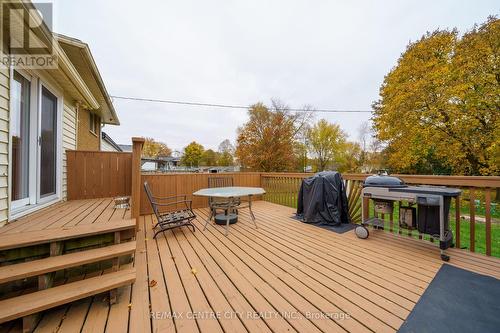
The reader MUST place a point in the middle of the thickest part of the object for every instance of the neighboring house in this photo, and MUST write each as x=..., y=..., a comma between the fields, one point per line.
x=160, y=163
x=149, y=164
x=172, y=162
x=44, y=112
x=107, y=144
x=125, y=148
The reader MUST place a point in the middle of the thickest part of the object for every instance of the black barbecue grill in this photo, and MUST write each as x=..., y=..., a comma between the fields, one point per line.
x=430, y=216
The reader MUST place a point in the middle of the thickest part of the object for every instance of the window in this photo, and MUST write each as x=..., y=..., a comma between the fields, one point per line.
x=94, y=123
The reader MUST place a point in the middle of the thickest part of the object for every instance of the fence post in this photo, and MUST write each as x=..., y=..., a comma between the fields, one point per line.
x=136, y=179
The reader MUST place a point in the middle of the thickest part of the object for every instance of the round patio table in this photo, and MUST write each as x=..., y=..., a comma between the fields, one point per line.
x=231, y=193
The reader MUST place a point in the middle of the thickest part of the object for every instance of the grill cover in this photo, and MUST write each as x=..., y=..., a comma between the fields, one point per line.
x=323, y=199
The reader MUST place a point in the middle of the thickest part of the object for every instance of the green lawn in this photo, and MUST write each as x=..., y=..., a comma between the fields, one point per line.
x=290, y=200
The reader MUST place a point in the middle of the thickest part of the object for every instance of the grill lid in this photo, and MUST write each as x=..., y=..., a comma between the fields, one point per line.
x=384, y=180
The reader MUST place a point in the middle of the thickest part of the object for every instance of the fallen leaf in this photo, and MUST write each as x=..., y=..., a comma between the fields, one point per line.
x=194, y=271
x=130, y=305
x=152, y=283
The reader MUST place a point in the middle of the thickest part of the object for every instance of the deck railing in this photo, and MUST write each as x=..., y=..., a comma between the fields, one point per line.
x=475, y=216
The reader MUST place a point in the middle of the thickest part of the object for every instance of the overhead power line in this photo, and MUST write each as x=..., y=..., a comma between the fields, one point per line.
x=230, y=106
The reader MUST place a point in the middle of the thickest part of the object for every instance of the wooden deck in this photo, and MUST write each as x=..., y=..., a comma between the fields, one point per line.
x=68, y=214
x=283, y=276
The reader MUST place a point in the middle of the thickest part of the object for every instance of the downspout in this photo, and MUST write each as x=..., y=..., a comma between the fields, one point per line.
x=77, y=123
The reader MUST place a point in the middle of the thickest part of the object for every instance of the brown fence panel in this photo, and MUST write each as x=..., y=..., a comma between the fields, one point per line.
x=169, y=184
x=98, y=174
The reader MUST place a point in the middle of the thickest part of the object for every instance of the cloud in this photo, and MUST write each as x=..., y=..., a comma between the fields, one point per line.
x=329, y=54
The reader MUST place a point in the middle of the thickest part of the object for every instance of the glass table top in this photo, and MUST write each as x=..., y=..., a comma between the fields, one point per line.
x=229, y=192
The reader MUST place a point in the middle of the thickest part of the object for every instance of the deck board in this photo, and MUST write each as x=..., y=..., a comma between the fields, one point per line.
x=68, y=214
x=158, y=289
x=283, y=270
x=332, y=270
x=326, y=283
x=139, y=304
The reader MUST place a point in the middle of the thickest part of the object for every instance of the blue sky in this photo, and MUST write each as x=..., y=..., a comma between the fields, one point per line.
x=328, y=54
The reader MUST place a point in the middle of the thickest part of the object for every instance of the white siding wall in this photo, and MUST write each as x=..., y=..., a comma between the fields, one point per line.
x=105, y=146
x=4, y=144
x=69, y=140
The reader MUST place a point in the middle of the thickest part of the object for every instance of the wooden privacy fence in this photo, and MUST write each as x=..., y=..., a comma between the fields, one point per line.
x=283, y=188
x=98, y=174
x=169, y=184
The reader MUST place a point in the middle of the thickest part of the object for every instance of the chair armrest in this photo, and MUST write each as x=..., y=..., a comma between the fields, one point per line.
x=171, y=197
x=172, y=203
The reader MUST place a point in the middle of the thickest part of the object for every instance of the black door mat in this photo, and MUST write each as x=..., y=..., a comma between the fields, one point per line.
x=339, y=229
x=457, y=300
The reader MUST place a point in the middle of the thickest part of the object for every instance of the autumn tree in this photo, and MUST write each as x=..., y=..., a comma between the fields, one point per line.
x=326, y=143
x=192, y=155
x=210, y=158
x=266, y=141
x=364, y=135
x=376, y=157
x=439, y=108
x=301, y=158
x=225, y=153
x=154, y=148
x=351, y=158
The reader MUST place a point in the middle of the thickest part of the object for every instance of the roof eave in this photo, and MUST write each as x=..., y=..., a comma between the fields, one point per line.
x=84, y=48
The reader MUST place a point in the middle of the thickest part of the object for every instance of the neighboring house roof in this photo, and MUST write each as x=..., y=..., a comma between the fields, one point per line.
x=110, y=141
x=80, y=55
x=170, y=158
x=125, y=148
x=150, y=159
x=161, y=159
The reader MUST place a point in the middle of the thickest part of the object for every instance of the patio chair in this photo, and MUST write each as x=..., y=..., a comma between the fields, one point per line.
x=172, y=219
x=221, y=203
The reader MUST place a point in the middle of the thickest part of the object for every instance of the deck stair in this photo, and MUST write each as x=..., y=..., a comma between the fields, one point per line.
x=28, y=306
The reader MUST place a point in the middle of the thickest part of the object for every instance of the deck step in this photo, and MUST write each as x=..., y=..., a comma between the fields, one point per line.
x=28, y=304
x=51, y=264
x=29, y=238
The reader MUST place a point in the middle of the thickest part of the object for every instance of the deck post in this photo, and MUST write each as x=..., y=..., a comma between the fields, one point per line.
x=137, y=144
x=45, y=281
x=113, y=293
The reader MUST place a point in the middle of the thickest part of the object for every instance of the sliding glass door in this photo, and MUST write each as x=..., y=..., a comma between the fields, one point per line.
x=48, y=144
x=34, y=132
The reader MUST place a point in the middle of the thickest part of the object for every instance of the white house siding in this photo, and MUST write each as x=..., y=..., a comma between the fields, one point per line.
x=69, y=140
x=149, y=166
x=105, y=146
x=4, y=144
